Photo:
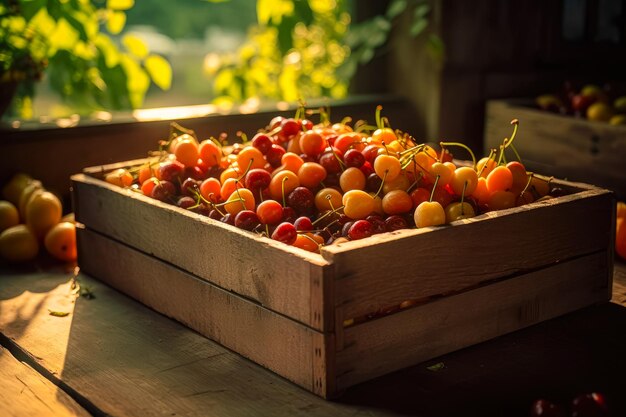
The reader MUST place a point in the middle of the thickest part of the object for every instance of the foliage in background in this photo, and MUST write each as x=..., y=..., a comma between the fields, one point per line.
x=65, y=40
x=318, y=49
x=292, y=52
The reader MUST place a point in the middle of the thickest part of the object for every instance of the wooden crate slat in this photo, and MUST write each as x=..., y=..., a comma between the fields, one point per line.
x=425, y=332
x=276, y=275
x=270, y=339
x=385, y=270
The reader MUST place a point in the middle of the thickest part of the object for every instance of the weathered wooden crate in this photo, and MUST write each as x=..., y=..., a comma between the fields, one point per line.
x=357, y=310
x=567, y=147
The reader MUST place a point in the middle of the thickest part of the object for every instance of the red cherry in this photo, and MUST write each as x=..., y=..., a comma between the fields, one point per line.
x=303, y=224
x=257, y=179
x=367, y=169
x=247, y=220
x=164, y=191
x=171, y=171
x=396, y=222
x=301, y=199
x=274, y=155
x=360, y=229
x=286, y=233
x=190, y=187
x=270, y=212
x=545, y=408
x=354, y=158
x=589, y=405
x=289, y=215
x=186, y=202
x=290, y=127
x=330, y=161
x=262, y=142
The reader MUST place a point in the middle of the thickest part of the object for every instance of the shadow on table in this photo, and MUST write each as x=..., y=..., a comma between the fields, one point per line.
x=124, y=359
x=37, y=278
x=557, y=360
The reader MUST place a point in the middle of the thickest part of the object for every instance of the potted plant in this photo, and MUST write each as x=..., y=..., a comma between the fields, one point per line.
x=70, y=43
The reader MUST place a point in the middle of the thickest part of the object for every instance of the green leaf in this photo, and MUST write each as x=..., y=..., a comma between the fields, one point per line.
x=366, y=55
x=116, y=22
x=108, y=50
x=120, y=4
x=160, y=71
x=436, y=367
x=31, y=8
x=421, y=10
x=418, y=27
x=303, y=12
x=58, y=313
x=43, y=23
x=273, y=11
x=135, y=46
x=137, y=81
x=436, y=47
x=64, y=35
x=396, y=7
x=263, y=11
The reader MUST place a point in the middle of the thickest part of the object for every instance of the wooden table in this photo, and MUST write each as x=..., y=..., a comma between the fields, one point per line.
x=112, y=356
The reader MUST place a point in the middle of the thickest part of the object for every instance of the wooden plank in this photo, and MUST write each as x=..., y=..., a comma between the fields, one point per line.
x=388, y=269
x=269, y=339
x=424, y=332
x=128, y=360
x=564, y=146
x=236, y=260
x=25, y=393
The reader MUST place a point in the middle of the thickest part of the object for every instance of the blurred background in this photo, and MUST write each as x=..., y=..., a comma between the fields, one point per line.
x=443, y=69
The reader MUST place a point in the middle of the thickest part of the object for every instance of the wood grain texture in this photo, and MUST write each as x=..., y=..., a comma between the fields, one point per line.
x=424, y=332
x=416, y=264
x=25, y=393
x=269, y=339
x=128, y=360
x=564, y=146
x=278, y=276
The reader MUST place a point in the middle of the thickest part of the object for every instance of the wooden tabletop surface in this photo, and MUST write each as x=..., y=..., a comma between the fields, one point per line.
x=112, y=356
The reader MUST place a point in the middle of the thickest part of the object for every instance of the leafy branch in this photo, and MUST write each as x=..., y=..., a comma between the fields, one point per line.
x=65, y=41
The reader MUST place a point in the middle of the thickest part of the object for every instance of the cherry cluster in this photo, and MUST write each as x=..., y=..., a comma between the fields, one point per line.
x=591, y=404
x=311, y=185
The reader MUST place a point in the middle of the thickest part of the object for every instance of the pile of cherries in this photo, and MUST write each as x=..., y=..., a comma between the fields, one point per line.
x=311, y=185
x=586, y=405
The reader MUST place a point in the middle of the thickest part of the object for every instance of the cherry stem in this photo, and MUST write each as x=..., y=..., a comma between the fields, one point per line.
x=323, y=216
x=408, y=190
x=379, y=123
x=385, y=146
x=243, y=200
x=491, y=152
x=462, y=198
x=364, y=126
x=330, y=202
x=432, y=193
x=509, y=142
x=247, y=169
x=282, y=190
x=519, y=158
x=462, y=146
x=381, y=184
x=300, y=111
x=267, y=230
x=319, y=245
x=346, y=120
x=341, y=164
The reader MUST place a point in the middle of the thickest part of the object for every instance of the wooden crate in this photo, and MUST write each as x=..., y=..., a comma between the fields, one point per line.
x=331, y=320
x=567, y=147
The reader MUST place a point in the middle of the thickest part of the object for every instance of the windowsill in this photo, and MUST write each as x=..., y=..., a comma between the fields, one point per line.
x=179, y=113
